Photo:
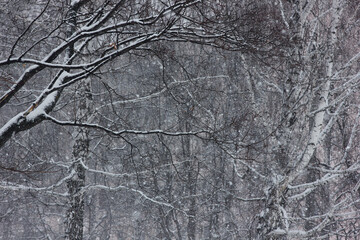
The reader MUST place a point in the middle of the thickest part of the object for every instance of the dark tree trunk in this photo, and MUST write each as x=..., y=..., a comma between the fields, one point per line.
x=74, y=223
x=75, y=213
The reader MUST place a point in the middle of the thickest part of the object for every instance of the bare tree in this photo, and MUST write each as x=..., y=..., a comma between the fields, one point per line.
x=181, y=119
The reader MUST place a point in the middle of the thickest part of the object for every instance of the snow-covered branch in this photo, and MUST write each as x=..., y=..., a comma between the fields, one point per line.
x=200, y=134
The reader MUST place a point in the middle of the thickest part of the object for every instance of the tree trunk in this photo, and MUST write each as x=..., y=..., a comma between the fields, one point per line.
x=191, y=178
x=75, y=213
x=271, y=220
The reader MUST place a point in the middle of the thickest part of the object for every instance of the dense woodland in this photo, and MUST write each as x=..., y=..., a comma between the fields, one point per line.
x=179, y=119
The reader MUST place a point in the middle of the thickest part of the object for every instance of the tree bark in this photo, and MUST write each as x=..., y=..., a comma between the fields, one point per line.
x=75, y=212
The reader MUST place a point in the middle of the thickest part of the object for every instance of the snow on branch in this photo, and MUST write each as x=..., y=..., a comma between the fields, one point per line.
x=49, y=189
x=34, y=114
x=121, y=187
x=161, y=91
x=200, y=134
x=93, y=30
x=128, y=174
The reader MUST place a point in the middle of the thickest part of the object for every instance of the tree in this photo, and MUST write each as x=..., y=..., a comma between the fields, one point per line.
x=181, y=119
x=306, y=90
x=93, y=35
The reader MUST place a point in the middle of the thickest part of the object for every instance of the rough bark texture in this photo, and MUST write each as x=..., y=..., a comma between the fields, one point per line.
x=75, y=213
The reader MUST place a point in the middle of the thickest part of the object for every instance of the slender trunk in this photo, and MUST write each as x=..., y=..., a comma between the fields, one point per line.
x=75, y=213
x=311, y=199
x=191, y=180
x=191, y=186
x=74, y=223
x=191, y=227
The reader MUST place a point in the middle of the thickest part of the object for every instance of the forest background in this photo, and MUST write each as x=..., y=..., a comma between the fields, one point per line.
x=179, y=119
